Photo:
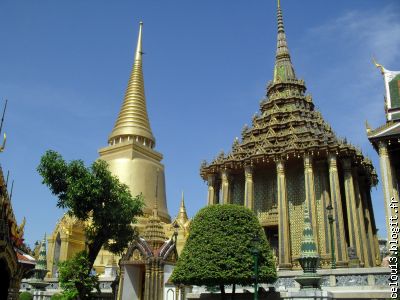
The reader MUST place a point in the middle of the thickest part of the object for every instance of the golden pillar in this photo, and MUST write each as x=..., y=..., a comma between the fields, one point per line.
x=377, y=257
x=121, y=283
x=336, y=202
x=147, y=284
x=361, y=220
x=213, y=190
x=249, y=188
x=387, y=184
x=368, y=220
x=323, y=227
x=283, y=218
x=310, y=195
x=352, y=218
x=225, y=186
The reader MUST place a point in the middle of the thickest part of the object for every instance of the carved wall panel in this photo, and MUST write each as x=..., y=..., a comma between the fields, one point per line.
x=237, y=189
x=265, y=193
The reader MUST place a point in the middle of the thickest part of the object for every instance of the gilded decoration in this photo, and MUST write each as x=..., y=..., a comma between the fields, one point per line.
x=322, y=200
x=296, y=199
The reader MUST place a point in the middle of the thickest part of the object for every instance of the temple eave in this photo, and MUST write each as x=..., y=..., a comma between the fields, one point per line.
x=239, y=162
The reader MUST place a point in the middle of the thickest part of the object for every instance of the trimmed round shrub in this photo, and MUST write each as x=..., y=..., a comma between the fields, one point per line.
x=25, y=296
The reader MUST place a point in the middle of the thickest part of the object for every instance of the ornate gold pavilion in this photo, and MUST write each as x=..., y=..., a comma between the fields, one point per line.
x=290, y=158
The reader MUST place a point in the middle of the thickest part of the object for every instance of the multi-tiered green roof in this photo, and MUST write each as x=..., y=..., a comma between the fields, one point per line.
x=287, y=125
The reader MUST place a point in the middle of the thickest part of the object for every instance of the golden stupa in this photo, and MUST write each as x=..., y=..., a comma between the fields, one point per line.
x=131, y=157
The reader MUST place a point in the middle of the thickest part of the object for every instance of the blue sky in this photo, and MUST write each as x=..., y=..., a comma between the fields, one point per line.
x=64, y=66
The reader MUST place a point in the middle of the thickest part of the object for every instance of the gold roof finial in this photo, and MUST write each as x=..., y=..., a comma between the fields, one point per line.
x=367, y=126
x=2, y=147
x=379, y=66
x=279, y=3
x=182, y=216
x=133, y=120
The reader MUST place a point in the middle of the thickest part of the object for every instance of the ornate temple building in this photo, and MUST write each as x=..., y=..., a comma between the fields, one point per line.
x=132, y=157
x=290, y=159
x=14, y=262
x=386, y=141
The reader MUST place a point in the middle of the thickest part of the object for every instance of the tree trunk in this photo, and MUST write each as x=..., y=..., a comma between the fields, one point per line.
x=93, y=250
x=223, y=295
x=233, y=291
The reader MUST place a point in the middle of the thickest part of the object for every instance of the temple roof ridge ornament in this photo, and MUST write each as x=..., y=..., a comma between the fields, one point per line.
x=2, y=147
x=133, y=121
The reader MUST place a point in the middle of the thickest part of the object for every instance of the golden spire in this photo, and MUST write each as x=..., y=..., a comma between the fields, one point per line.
x=133, y=121
x=182, y=215
x=154, y=232
x=283, y=66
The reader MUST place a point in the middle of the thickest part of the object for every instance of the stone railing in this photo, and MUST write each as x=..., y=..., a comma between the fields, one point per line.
x=53, y=288
x=346, y=283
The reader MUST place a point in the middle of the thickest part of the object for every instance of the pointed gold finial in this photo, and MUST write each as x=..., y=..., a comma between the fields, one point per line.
x=182, y=208
x=279, y=3
x=379, y=66
x=182, y=216
x=367, y=127
x=139, y=52
x=133, y=121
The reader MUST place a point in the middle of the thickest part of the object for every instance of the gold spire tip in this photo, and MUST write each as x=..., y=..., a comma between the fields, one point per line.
x=279, y=3
x=138, y=54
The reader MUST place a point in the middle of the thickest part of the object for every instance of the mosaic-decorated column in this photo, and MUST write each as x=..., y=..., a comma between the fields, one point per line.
x=121, y=282
x=336, y=201
x=213, y=191
x=370, y=236
x=249, y=188
x=283, y=218
x=322, y=201
x=361, y=220
x=310, y=195
x=387, y=183
x=160, y=280
x=377, y=257
x=352, y=219
x=147, y=280
x=225, y=187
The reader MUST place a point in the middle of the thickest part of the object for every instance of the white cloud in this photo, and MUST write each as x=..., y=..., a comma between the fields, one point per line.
x=377, y=32
x=345, y=83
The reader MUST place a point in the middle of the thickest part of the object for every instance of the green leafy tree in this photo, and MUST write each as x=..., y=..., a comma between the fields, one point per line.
x=93, y=195
x=73, y=275
x=219, y=250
